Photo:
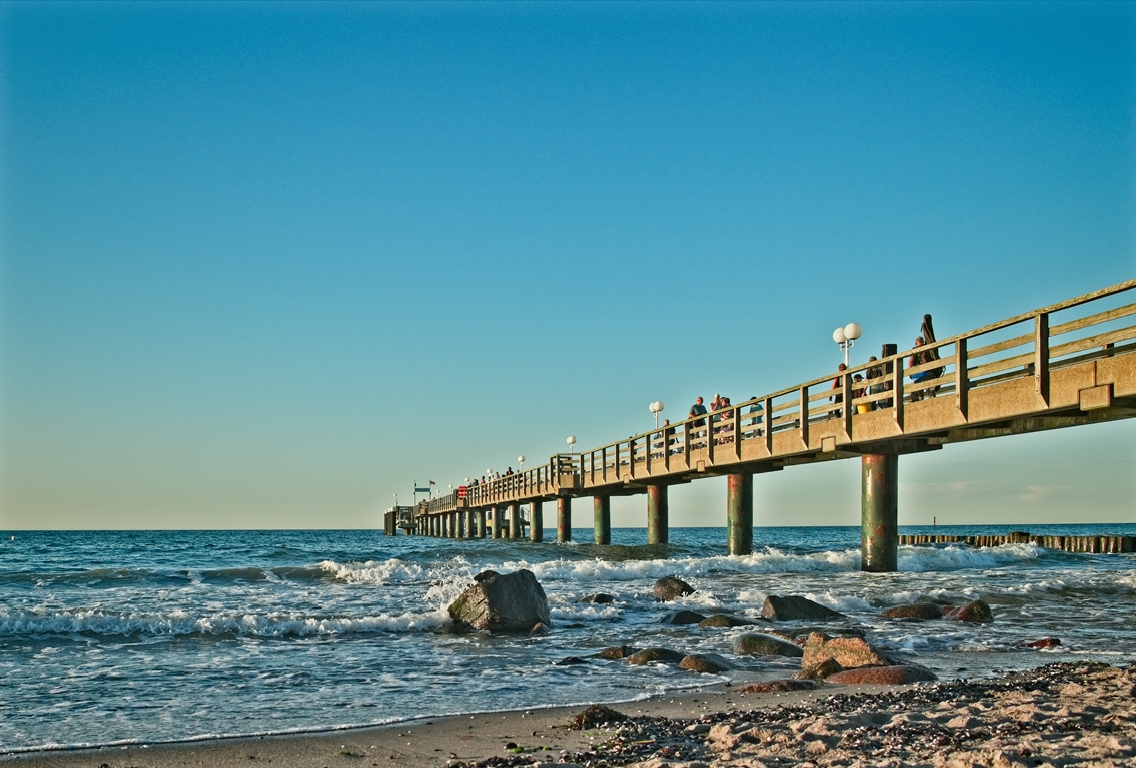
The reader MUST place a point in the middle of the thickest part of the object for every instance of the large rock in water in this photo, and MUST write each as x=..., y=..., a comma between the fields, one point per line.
x=511, y=602
x=848, y=652
x=670, y=587
x=765, y=645
x=704, y=662
x=975, y=612
x=648, y=655
x=796, y=608
x=914, y=612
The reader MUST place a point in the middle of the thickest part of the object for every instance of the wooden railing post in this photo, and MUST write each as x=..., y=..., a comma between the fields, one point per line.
x=846, y=413
x=767, y=424
x=804, y=414
x=962, y=382
x=897, y=391
x=1041, y=356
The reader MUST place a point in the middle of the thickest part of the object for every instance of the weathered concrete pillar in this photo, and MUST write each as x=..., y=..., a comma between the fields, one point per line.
x=514, y=521
x=564, y=518
x=602, y=519
x=658, y=515
x=879, y=513
x=481, y=523
x=495, y=526
x=536, y=521
x=739, y=513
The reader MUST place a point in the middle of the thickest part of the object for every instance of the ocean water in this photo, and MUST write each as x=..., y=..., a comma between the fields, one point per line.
x=148, y=636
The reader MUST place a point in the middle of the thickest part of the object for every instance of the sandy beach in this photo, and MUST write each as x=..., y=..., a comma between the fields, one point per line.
x=1070, y=714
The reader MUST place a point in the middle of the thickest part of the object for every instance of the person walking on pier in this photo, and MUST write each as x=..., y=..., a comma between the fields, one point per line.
x=878, y=387
x=838, y=385
x=922, y=357
x=698, y=409
x=755, y=412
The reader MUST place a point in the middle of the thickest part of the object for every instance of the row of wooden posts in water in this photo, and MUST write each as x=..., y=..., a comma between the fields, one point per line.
x=1094, y=544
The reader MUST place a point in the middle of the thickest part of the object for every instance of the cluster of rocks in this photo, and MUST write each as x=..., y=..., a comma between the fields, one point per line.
x=1068, y=714
x=846, y=659
x=516, y=602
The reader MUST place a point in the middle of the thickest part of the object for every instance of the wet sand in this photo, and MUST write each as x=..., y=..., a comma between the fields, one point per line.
x=1058, y=715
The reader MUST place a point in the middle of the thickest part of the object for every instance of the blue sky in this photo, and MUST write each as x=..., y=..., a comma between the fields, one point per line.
x=264, y=265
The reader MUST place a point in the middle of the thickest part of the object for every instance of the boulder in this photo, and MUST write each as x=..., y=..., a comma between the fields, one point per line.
x=648, y=655
x=722, y=620
x=752, y=644
x=820, y=670
x=849, y=652
x=599, y=597
x=617, y=652
x=975, y=612
x=683, y=617
x=914, y=612
x=796, y=608
x=780, y=686
x=568, y=661
x=1045, y=642
x=670, y=587
x=890, y=675
x=512, y=602
x=704, y=662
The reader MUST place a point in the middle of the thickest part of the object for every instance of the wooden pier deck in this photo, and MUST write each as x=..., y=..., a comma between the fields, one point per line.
x=1065, y=365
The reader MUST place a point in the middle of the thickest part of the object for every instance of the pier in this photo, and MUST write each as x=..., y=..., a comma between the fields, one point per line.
x=1065, y=365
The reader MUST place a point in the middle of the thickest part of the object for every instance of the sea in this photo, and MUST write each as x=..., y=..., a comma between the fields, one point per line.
x=123, y=637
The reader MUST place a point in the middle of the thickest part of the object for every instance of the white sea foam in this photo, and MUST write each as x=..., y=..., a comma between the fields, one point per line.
x=956, y=557
x=374, y=572
x=178, y=622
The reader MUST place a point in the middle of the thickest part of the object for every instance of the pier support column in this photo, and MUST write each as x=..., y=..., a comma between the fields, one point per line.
x=481, y=523
x=602, y=519
x=536, y=521
x=658, y=515
x=739, y=513
x=564, y=518
x=495, y=526
x=514, y=521
x=879, y=513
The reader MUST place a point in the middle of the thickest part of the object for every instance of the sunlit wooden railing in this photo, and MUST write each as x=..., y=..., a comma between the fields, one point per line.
x=1031, y=345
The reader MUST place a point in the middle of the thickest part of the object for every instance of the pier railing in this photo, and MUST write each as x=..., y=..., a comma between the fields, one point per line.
x=1020, y=356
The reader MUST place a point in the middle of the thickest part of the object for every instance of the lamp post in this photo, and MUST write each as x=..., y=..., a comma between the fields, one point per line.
x=656, y=407
x=846, y=338
x=521, y=459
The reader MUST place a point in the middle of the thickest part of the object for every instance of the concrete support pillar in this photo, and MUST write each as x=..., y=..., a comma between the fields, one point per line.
x=514, y=521
x=739, y=513
x=481, y=523
x=658, y=515
x=602, y=519
x=879, y=513
x=536, y=521
x=495, y=527
x=564, y=518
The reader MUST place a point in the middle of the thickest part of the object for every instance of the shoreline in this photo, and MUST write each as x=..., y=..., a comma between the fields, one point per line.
x=1065, y=713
